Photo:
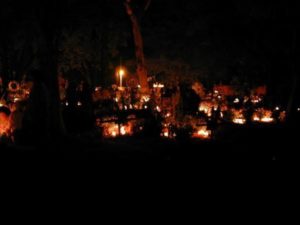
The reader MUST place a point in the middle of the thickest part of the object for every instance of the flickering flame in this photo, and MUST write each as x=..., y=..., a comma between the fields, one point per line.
x=267, y=120
x=146, y=98
x=263, y=116
x=111, y=130
x=166, y=134
x=256, y=100
x=203, y=109
x=277, y=108
x=16, y=100
x=123, y=130
x=121, y=72
x=158, y=85
x=236, y=101
x=238, y=117
x=114, y=134
x=256, y=118
x=168, y=115
x=79, y=104
x=206, y=107
x=158, y=109
x=239, y=121
x=202, y=133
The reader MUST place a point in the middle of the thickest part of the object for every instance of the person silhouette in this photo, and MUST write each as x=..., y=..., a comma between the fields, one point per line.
x=36, y=119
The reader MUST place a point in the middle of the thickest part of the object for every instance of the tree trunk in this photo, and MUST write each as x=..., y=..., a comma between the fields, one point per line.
x=291, y=110
x=57, y=128
x=49, y=22
x=139, y=49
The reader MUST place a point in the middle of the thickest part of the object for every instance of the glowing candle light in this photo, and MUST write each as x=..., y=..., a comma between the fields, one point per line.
x=236, y=101
x=114, y=133
x=123, y=131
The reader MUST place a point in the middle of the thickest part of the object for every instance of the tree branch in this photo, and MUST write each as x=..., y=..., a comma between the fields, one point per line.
x=128, y=7
x=147, y=5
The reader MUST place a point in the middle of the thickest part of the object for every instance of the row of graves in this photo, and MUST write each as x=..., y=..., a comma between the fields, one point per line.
x=166, y=111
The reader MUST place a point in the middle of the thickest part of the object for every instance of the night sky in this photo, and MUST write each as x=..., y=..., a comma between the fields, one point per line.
x=254, y=42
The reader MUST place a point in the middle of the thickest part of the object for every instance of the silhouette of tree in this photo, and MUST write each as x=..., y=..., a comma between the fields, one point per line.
x=138, y=41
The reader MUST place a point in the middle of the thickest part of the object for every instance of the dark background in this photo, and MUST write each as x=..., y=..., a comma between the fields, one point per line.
x=245, y=42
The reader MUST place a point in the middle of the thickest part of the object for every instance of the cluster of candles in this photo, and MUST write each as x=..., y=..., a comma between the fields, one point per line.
x=112, y=130
x=260, y=115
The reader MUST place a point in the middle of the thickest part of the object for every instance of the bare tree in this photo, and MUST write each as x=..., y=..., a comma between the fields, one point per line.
x=139, y=45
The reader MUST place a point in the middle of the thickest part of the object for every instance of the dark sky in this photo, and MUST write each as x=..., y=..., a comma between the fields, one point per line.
x=222, y=37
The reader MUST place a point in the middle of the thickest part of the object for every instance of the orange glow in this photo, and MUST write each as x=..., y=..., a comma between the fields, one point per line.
x=202, y=133
x=267, y=117
x=121, y=72
x=168, y=115
x=111, y=130
x=256, y=118
x=165, y=131
x=267, y=120
x=2, y=103
x=206, y=107
x=238, y=117
x=123, y=131
x=263, y=116
x=145, y=98
x=158, y=85
x=239, y=121
x=4, y=123
x=166, y=134
x=255, y=99
x=114, y=134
